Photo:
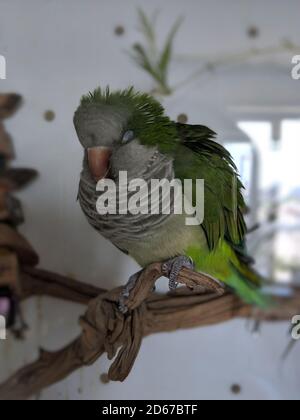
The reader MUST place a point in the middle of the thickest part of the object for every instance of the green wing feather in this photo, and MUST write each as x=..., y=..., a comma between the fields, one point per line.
x=224, y=202
x=224, y=205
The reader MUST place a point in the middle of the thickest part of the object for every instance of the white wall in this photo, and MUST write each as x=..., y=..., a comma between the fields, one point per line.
x=57, y=50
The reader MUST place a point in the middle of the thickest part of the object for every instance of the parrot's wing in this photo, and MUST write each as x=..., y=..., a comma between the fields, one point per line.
x=199, y=157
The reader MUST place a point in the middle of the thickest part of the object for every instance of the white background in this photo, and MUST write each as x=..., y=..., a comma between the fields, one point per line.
x=55, y=52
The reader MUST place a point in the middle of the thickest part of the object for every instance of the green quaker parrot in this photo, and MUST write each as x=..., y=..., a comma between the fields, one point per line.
x=129, y=131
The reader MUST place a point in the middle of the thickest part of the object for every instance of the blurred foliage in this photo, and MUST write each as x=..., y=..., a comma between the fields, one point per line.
x=149, y=57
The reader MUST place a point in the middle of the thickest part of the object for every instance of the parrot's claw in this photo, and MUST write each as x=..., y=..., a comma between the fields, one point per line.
x=171, y=269
x=126, y=292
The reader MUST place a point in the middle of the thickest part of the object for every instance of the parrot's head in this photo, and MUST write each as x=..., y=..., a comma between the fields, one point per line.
x=121, y=131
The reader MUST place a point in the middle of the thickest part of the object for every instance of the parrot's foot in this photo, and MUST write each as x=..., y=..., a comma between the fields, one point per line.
x=126, y=291
x=172, y=269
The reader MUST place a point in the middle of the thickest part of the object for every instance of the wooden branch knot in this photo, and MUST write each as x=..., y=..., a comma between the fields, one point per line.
x=106, y=329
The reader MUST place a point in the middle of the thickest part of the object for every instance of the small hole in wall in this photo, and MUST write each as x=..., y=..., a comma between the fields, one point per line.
x=104, y=378
x=182, y=118
x=49, y=115
x=119, y=30
x=236, y=389
x=253, y=32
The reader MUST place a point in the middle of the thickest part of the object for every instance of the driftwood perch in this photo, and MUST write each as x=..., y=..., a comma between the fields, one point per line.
x=106, y=330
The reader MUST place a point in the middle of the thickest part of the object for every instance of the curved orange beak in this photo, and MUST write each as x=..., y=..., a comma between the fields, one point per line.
x=98, y=160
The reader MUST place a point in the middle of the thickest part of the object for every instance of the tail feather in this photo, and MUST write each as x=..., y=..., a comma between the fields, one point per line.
x=247, y=285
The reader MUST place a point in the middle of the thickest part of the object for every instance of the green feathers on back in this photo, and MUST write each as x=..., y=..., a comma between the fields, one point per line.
x=224, y=203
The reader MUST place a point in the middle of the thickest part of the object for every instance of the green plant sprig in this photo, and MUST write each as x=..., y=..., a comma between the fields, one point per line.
x=152, y=60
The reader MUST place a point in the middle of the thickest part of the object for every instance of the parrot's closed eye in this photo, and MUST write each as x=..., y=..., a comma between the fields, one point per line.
x=127, y=136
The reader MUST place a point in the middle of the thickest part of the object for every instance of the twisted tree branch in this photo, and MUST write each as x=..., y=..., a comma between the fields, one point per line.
x=37, y=282
x=105, y=329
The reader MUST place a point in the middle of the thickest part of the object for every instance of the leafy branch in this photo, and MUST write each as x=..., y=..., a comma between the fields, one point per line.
x=152, y=60
x=157, y=62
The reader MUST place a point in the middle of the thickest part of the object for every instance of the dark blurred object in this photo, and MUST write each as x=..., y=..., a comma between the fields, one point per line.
x=13, y=179
x=7, y=306
x=9, y=103
x=253, y=32
x=49, y=115
x=182, y=118
x=9, y=286
x=14, y=249
x=10, y=210
x=119, y=30
x=6, y=147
